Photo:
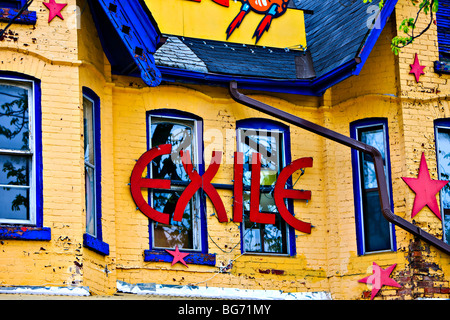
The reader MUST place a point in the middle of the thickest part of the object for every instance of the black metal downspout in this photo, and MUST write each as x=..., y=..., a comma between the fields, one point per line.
x=354, y=144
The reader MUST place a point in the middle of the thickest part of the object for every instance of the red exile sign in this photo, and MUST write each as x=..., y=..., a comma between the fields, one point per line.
x=204, y=182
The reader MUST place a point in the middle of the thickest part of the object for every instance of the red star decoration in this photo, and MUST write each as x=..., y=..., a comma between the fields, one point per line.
x=417, y=69
x=425, y=189
x=55, y=9
x=178, y=256
x=379, y=278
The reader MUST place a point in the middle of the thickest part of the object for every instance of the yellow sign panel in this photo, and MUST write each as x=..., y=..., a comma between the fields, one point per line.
x=263, y=22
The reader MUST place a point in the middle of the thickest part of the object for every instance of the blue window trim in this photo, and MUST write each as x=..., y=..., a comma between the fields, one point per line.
x=37, y=232
x=96, y=243
x=440, y=123
x=266, y=124
x=199, y=257
x=9, y=11
x=357, y=178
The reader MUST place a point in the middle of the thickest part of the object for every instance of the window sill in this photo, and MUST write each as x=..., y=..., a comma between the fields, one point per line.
x=204, y=259
x=96, y=245
x=442, y=67
x=27, y=17
x=25, y=233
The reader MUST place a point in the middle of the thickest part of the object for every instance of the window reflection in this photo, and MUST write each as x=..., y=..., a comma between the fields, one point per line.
x=259, y=237
x=180, y=134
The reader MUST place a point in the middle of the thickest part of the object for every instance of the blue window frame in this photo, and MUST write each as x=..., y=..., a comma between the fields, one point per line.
x=373, y=232
x=272, y=140
x=442, y=137
x=93, y=238
x=443, y=29
x=185, y=132
x=21, y=197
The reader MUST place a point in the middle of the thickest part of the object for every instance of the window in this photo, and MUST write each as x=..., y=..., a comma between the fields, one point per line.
x=14, y=4
x=443, y=29
x=442, y=133
x=184, y=132
x=271, y=140
x=92, y=171
x=374, y=232
x=21, y=160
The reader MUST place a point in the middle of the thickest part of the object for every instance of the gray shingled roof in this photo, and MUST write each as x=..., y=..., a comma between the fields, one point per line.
x=335, y=33
x=228, y=58
x=336, y=30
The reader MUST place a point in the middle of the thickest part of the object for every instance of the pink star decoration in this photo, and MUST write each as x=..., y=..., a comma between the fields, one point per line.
x=178, y=256
x=425, y=189
x=55, y=9
x=379, y=278
x=417, y=69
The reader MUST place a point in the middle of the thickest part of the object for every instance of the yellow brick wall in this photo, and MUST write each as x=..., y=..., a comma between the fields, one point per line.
x=49, y=52
x=66, y=56
x=421, y=104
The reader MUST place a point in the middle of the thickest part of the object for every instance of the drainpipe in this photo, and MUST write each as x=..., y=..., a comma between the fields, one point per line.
x=354, y=144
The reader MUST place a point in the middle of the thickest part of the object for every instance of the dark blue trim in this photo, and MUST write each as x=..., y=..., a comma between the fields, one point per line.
x=25, y=233
x=374, y=34
x=357, y=178
x=196, y=257
x=192, y=258
x=97, y=245
x=27, y=17
x=267, y=124
x=137, y=32
x=314, y=87
x=38, y=232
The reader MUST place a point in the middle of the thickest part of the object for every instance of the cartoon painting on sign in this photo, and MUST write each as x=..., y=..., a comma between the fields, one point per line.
x=269, y=8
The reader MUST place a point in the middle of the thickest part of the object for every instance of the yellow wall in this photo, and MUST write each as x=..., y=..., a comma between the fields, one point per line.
x=326, y=260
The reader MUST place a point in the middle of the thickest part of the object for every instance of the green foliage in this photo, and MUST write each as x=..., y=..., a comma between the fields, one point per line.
x=408, y=25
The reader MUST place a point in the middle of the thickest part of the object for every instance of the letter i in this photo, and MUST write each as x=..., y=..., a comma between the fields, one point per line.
x=238, y=208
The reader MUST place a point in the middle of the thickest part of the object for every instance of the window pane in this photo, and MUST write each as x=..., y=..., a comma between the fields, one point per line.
x=273, y=238
x=376, y=227
x=177, y=233
x=89, y=142
x=180, y=136
x=14, y=127
x=252, y=236
x=374, y=138
x=15, y=170
x=443, y=155
x=267, y=144
x=14, y=203
x=90, y=202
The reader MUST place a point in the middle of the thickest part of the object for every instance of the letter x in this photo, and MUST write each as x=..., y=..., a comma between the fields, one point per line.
x=198, y=182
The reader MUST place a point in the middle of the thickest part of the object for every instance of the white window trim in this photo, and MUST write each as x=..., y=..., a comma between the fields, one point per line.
x=31, y=117
x=196, y=210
